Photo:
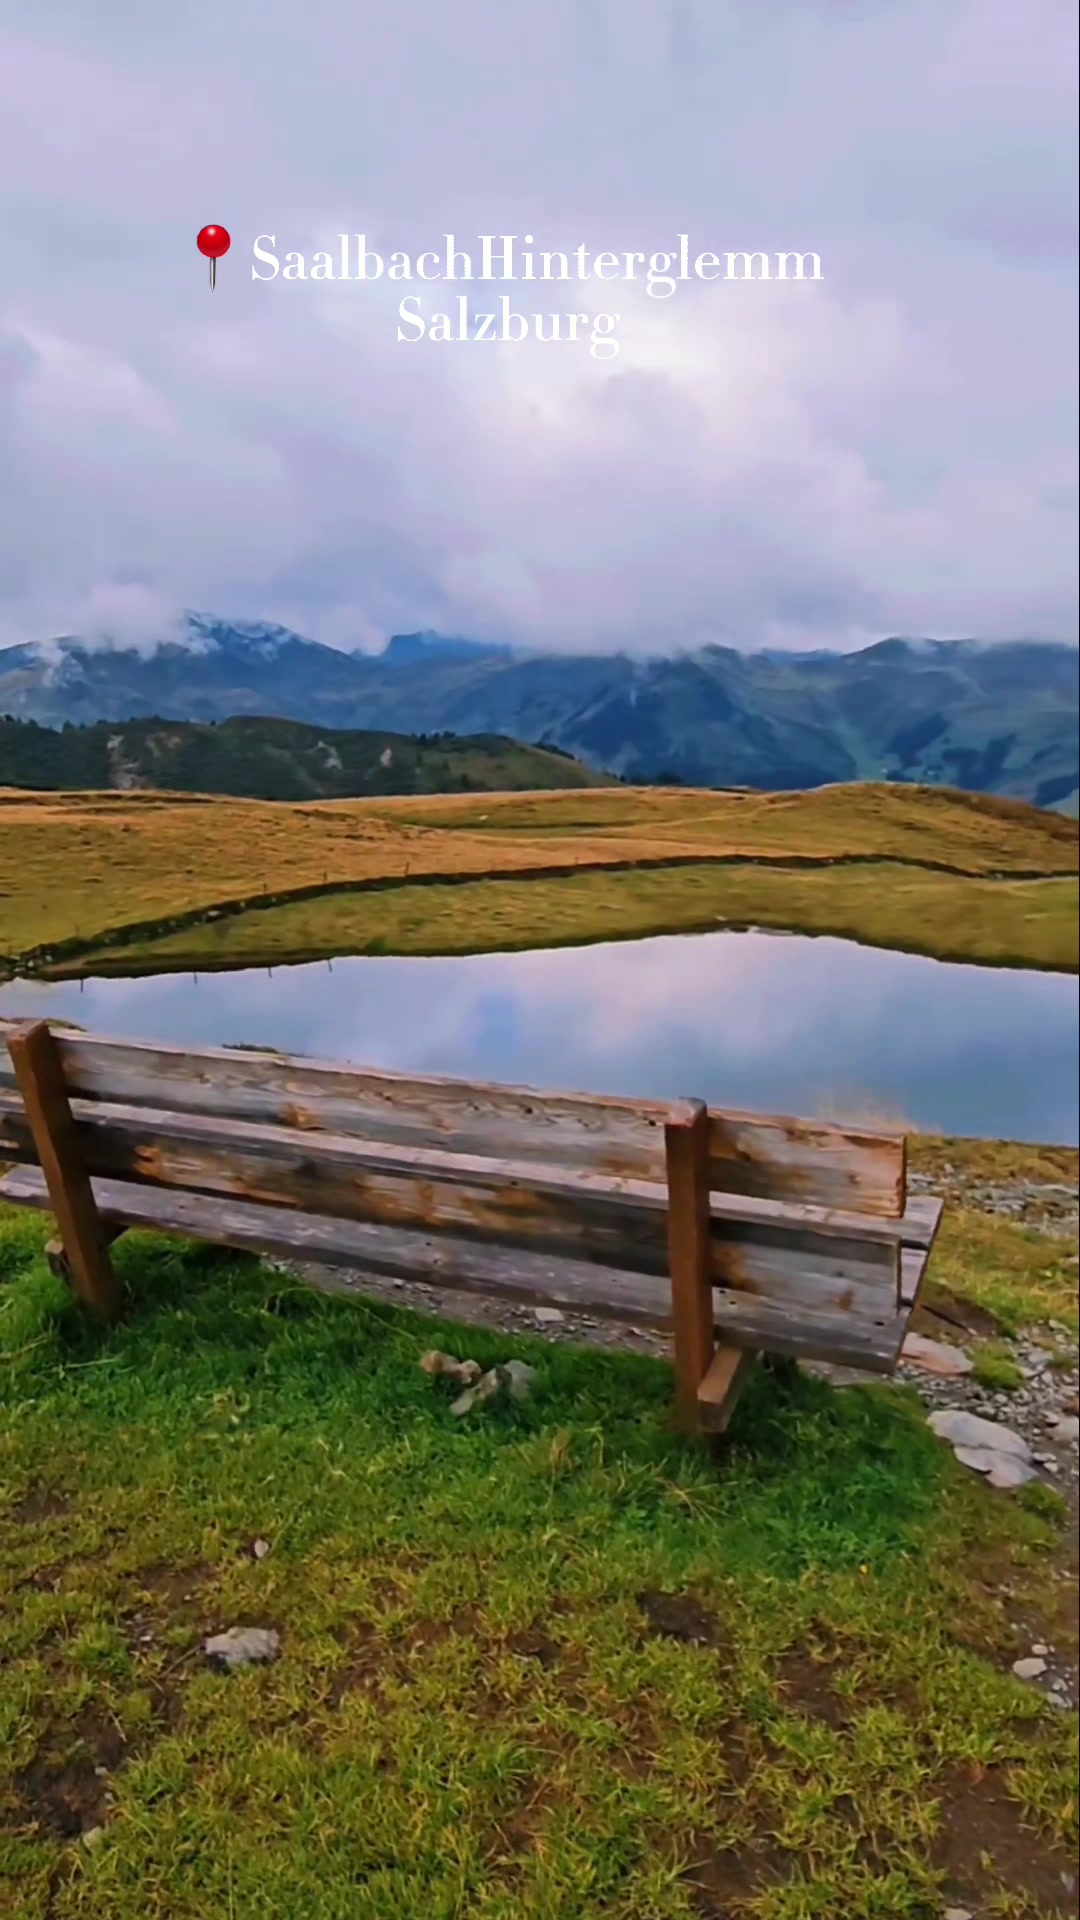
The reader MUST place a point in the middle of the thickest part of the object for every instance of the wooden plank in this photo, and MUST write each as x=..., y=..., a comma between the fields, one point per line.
x=719, y=1392
x=436, y=1161
x=846, y=1339
x=394, y=1253
x=633, y=1298
x=756, y=1155
x=690, y=1259
x=915, y=1258
x=790, y=1252
x=40, y=1075
x=823, y=1165
x=585, y=1130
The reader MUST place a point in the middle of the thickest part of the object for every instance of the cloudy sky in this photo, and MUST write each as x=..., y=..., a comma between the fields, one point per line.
x=889, y=450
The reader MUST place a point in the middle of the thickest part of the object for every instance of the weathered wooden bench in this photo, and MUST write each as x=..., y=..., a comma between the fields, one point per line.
x=738, y=1233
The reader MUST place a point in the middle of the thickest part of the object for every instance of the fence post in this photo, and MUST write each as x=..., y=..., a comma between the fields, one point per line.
x=689, y=1257
x=40, y=1074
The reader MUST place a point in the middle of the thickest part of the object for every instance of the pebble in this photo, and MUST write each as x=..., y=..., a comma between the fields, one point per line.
x=1068, y=1428
x=548, y=1316
x=1031, y=1669
x=957, y=1913
x=1040, y=1650
x=92, y=1836
x=242, y=1647
x=260, y=1548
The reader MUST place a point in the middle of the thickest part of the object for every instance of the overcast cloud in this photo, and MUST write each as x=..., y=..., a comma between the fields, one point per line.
x=891, y=450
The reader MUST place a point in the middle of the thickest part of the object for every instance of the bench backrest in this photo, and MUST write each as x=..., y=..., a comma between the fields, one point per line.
x=806, y=1216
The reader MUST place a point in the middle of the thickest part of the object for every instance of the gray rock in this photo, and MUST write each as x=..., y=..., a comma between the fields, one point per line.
x=242, y=1647
x=962, y=1429
x=260, y=1549
x=514, y=1380
x=1031, y=1669
x=549, y=1316
x=1068, y=1428
x=934, y=1356
x=1010, y=1471
x=979, y=1459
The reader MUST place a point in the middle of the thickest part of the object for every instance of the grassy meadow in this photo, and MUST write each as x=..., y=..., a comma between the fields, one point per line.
x=549, y=1663
x=145, y=880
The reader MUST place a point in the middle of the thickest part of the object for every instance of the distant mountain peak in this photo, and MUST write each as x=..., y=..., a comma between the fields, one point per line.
x=404, y=649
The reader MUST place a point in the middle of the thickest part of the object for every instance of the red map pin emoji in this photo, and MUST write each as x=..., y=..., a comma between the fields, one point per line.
x=214, y=243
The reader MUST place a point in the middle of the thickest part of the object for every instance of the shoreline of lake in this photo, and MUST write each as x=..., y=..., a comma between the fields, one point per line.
x=233, y=935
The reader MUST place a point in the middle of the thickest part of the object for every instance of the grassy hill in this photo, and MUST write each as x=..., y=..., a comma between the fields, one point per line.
x=994, y=719
x=262, y=759
x=132, y=881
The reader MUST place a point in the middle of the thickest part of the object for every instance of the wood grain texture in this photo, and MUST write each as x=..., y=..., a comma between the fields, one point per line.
x=690, y=1260
x=868, y=1339
x=766, y=1247
x=762, y=1156
x=38, y=1070
x=823, y=1165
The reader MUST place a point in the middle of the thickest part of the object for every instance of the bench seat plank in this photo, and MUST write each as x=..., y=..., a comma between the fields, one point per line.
x=870, y=1338
x=774, y=1249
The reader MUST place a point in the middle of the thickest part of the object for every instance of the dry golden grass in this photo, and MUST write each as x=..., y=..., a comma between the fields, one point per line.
x=82, y=866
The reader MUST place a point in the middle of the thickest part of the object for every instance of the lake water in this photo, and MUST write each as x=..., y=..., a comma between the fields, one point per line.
x=777, y=1022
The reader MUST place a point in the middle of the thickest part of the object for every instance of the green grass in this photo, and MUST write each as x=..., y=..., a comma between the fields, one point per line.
x=549, y=1664
x=995, y=1368
x=950, y=917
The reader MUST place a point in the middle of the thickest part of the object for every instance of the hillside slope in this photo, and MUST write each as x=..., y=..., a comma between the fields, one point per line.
x=995, y=719
x=125, y=881
x=260, y=759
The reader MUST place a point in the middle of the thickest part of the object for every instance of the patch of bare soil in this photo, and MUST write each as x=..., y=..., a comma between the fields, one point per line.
x=64, y=1792
x=805, y=1687
x=722, y=1882
x=679, y=1616
x=986, y=1847
x=39, y=1503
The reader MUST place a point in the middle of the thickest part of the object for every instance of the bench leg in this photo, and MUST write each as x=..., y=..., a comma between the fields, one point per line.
x=40, y=1074
x=719, y=1392
x=690, y=1260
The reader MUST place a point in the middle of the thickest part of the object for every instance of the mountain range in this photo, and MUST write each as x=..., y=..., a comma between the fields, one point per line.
x=1000, y=718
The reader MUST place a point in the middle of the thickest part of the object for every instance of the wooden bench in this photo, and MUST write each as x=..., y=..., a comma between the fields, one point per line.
x=735, y=1232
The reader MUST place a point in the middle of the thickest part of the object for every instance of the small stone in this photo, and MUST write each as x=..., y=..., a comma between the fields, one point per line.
x=260, y=1548
x=1068, y=1428
x=466, y=1372
x=548, y=1316
x=957, y=1913
x=1029, y=1669
x=934, y=1356
x=515, y=1379
x=521, y=1379
x=242, y=1647
x=1040, y=1651
x=93, y=1836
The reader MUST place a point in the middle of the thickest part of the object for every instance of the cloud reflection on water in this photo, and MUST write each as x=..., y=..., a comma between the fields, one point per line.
x=756, y=1019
